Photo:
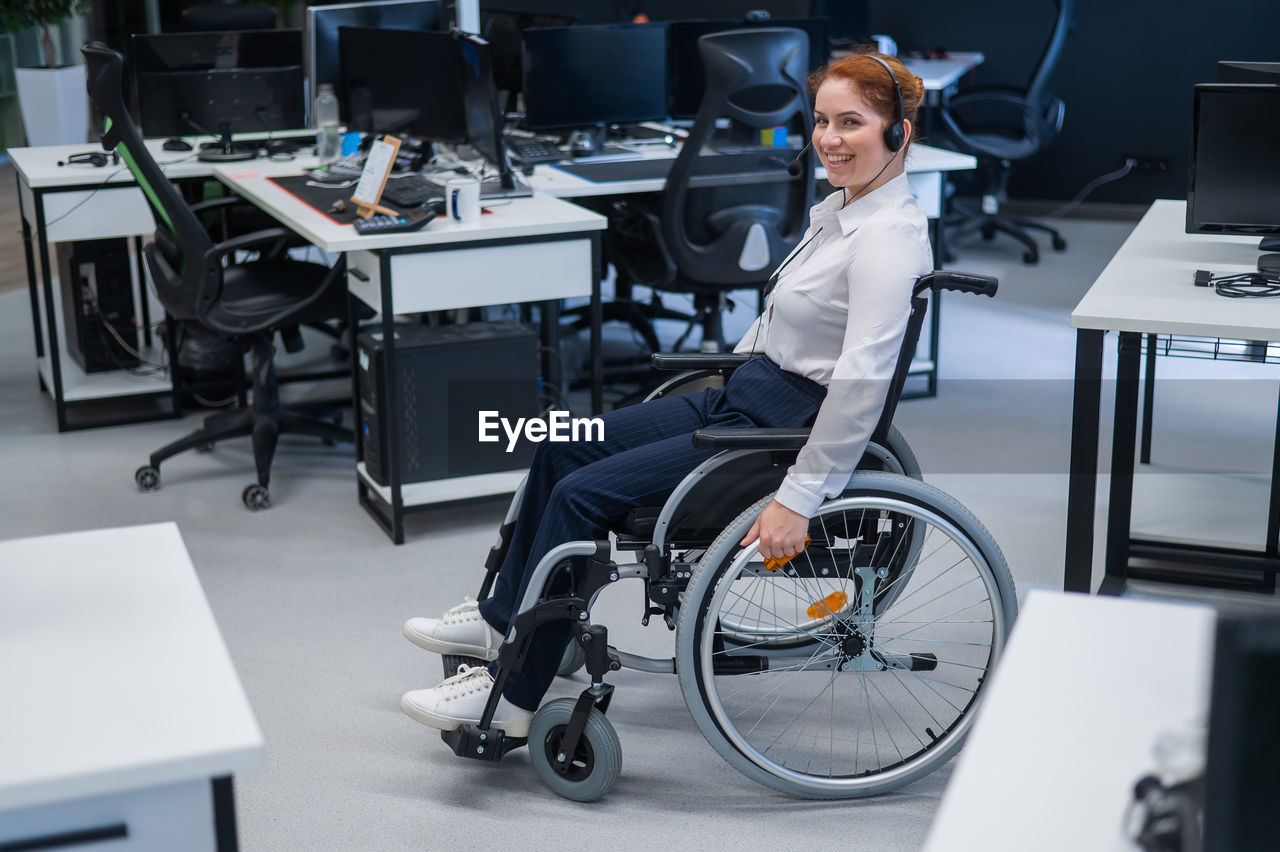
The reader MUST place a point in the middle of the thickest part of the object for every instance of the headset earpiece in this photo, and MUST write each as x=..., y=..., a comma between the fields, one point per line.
x=895, y=135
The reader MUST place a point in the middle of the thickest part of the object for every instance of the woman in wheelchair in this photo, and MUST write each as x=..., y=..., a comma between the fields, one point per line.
x=824, y=350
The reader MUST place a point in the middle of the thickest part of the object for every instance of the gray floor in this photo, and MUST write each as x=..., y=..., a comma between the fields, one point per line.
x=311, y=594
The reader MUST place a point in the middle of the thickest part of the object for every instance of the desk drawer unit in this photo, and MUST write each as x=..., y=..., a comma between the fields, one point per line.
x=468, y=277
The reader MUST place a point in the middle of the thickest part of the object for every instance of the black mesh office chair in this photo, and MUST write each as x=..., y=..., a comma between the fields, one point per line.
x=199, y=280
x=1001, y=125
x=712, y=233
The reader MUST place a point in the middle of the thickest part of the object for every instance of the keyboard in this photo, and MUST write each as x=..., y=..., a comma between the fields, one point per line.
x=534, y=151
x=410, y=190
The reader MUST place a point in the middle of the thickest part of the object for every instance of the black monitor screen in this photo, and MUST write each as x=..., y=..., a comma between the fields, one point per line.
x=401, y=81
x=480, y=100
x=597, y=75
x=1248, y=72
x=504, y=31
x=200, y=82
x=324, y=63
x=687, y=79
x=1242, y=769
x=1234, y=185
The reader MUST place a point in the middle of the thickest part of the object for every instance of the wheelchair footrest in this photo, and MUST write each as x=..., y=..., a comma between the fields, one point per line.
x=470, y=741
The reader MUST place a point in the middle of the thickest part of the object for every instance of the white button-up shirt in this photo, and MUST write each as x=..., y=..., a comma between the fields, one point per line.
x=837, y=316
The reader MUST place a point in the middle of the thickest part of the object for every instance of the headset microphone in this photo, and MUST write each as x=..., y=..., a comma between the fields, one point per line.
x=794, y=168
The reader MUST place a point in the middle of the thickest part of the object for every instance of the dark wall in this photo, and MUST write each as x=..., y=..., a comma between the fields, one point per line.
x=1126, y=76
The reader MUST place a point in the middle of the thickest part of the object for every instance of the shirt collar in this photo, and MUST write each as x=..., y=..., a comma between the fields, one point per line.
x=853, y=215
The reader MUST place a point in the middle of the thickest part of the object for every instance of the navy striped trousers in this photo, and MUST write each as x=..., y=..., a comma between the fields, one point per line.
x=575, y=489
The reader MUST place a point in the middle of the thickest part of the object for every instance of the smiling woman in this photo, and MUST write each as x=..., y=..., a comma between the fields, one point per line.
x=864, y=115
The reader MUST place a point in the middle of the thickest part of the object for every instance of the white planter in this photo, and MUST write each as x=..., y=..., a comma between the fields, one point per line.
x=54, y=104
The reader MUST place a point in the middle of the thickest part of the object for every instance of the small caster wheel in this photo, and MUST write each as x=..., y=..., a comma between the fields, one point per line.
x=1030, y=257
x=1059, y=244
x=592, y=770
x=453, y=661
x=575, y=657
x=147, y=477
x=256, y=497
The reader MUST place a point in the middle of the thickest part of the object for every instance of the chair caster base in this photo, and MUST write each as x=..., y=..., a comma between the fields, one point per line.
x=256, y=497
x=1059, y=244
x=147, y=478
x=491, y=745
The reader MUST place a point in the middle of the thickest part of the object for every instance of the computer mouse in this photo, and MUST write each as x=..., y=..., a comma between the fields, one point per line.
x=176, y=144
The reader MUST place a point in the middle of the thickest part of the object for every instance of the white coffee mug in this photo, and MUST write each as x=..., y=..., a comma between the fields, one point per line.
x=463, y=195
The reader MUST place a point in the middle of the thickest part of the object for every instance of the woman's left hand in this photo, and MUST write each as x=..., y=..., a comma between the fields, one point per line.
x=780, y=530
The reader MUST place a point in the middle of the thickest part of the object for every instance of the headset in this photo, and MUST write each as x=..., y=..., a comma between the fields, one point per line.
x=895, y=134
x=95, y=158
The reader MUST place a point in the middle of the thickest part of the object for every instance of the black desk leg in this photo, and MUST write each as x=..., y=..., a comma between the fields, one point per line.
x=1148, y=399
x=224, y=815
x=1123, y=444
x=1272, y=548
x=597, y=325
x=32, y=283
x=1082, y=489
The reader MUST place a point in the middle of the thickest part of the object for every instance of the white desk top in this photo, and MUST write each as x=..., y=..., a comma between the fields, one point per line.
x=1084, y=689
x=938, y=74
x=1147, y=285
x=562, y=184
x=520, y=217
x=114, y=673
x=39, y=166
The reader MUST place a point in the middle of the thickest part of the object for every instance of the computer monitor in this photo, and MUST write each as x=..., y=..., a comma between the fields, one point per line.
x=1231, y=71
x=323, y=59
x=1234, y=181
x=687, y=77
x=402, y=81
x=483, y=117
x=219, y=82
x=504, y=30
x=1242, y=767
x=594, y=76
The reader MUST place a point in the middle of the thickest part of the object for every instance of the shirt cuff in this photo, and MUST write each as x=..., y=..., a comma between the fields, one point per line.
x=797, y=498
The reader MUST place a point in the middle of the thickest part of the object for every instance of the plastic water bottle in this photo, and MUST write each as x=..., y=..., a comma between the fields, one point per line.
x=328, y=142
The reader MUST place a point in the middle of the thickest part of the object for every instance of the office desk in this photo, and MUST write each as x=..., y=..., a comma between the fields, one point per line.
x=1147, y=289
x=84, y=202
x=926, y=168
x=123, y=717
x=535, y=249
x=1083, y=691
x=940, y=75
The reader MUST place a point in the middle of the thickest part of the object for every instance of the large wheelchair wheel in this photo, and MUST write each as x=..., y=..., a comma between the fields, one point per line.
x=874, y=643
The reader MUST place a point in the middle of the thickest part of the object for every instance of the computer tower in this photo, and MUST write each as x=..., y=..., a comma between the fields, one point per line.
x=444, y=376
x=97, y=292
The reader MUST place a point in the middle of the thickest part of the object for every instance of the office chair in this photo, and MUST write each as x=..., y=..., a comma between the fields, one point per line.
x=1001, y=125
x=708, y=240
x=201, y=281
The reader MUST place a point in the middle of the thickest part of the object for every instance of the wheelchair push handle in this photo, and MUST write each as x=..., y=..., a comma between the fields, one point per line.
x=967, y=282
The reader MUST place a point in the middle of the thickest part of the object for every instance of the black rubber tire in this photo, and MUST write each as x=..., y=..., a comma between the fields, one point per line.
x=597, y=764
x=575, y=657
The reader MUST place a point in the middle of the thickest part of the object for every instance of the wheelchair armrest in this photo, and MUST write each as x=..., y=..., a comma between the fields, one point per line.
x=698, y=360
x=732, y=438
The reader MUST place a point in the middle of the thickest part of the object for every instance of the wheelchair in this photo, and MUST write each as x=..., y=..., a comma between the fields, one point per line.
x=851, y=670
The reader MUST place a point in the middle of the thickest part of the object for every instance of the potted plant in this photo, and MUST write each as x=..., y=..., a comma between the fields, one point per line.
x=53, y=100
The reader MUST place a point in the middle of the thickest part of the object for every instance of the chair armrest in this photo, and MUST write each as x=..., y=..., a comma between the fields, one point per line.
x=987, y=94
x=244, y=242
x=698, y=360
x=215, y=203
x=733, y=438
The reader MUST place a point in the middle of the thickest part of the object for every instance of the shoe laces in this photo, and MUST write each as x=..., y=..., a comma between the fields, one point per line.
x=468, y=610
x=468, y=681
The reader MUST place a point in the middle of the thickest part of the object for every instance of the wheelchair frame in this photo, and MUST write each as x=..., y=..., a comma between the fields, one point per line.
x=560, y=760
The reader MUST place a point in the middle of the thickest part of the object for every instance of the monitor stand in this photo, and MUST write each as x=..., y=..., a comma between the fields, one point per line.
x=226, y=151
x=1269, y=263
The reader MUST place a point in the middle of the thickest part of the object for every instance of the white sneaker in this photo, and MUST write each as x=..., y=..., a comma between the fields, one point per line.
x=462, y=630
x=460, y=699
